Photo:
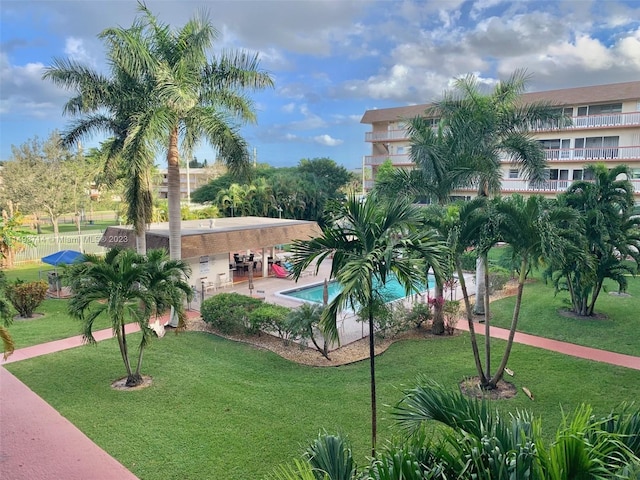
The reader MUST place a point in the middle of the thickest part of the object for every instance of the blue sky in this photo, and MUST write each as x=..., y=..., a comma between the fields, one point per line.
x=331, y=60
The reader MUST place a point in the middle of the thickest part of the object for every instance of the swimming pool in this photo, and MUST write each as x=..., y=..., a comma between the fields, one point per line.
x=313, y=293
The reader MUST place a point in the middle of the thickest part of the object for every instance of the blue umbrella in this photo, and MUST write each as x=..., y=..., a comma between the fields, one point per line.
x=63, y=256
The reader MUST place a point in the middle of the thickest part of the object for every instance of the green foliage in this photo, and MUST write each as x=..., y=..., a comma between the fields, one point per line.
x=229, y=312
x=26, y=296
x=468, y=260
x=419, y=314
x=395, y=318
x=451, y=309
x=331, y=455
x=270, y=317
x=304, y=324
x=498, y=278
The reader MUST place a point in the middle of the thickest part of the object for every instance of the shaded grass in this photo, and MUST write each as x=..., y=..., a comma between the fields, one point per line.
x=218, y=409
x=539, y=316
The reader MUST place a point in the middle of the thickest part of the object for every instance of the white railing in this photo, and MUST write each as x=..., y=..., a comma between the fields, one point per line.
x=551, y=186
x=400, y=134
x=594, y=121
x=380, y=159
x=597, y=153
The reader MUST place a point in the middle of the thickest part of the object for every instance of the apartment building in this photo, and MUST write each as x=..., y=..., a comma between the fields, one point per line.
x=190, y=180
x=605, y=127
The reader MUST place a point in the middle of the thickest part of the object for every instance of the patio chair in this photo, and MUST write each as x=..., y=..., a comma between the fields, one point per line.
x=279, y=271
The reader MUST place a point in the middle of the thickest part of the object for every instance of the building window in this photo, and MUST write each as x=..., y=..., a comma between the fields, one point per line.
x=600, y=109
x=596, y=147
x=514, y=173
x=577, y=175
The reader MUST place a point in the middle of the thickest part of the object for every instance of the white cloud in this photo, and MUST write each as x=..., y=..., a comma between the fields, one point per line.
x=327, y=140
x=289, y=107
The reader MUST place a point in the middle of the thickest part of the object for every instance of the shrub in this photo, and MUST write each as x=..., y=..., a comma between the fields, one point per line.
x=450, y=310
x=468, y=261
x=269, y=317
x=26, y=296
x=498, y=277
x=396, y=318
x=419, y=314
x=229, y=312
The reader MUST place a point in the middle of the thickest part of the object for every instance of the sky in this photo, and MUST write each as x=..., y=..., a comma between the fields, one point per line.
x=331, y=60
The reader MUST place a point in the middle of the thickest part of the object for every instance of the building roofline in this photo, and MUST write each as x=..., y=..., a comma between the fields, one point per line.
x=561, y=97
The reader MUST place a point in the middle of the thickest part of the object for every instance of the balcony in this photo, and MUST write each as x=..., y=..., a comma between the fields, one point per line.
x=550, y=186
x=395, y=159
x=596, y=153
x=387, y=136
x=631, y=119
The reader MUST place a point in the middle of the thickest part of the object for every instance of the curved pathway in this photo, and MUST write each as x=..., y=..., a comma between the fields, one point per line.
x=37, y=443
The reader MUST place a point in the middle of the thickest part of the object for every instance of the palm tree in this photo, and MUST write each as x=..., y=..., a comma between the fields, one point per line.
x=194, y=97
x=12, y=237
x=111, y=105
x=476, y=134
x=611, y=236
x=368, y=241
x=481, y=443
x=126, y=286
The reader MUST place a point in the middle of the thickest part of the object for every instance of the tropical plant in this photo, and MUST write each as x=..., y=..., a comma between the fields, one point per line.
x=12, y=237
x=609, y=242
x=194, y=96
x=111, y=104
x=229, y=312
x=475, y=134
x=8, y=345
x=127, y=286
x=26, y=296
x=367, y=241
x=304, y=323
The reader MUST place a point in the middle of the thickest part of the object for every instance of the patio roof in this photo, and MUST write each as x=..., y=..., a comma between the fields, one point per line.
x=219, y=235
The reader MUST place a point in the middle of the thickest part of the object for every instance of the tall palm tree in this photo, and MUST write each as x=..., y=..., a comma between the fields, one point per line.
x=126, y=286
x=110, y=104
x=476, y=134
x=367, y=241
x=194, y=97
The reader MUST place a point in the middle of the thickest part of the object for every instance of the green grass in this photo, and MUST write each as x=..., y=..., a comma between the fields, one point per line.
x=539, y=316
x=218, y=409
x=28, y=272
x=71, y=227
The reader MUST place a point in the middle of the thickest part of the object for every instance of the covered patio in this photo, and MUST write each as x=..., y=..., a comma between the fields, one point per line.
x=222, y=252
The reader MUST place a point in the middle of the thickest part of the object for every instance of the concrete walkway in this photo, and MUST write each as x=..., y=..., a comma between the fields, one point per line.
x=37, y=443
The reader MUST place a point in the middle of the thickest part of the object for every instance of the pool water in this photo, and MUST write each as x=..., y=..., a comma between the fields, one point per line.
x=391, y=291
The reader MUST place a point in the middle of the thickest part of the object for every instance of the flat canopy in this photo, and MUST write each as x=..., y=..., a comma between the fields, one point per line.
x=219, y=235
x=62, y=257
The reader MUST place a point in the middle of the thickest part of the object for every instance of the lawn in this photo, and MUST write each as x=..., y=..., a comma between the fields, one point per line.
x=539, y=316
x=218, y=409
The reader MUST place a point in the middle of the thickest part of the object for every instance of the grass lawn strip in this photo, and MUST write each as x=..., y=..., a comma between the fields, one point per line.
x=213, y=400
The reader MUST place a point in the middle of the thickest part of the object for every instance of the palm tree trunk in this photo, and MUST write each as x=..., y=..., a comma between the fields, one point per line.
x=372, y=370
x=487, y=321
x=173, y=196
x=594, y=297
x=472, y=330
x=512, y=330
x=481, y=286
x=141, y=242
x=122, y=343
x=437, y=327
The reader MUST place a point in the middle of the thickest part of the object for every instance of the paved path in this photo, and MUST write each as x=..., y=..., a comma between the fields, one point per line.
x=37, y=443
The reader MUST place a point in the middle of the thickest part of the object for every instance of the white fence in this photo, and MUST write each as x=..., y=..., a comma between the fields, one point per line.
x=44, y=245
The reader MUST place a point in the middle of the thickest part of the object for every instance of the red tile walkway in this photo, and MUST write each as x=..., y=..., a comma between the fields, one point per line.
x=37, y=443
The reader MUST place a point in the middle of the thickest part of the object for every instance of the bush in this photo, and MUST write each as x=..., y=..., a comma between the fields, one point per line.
x=450, y=310
x=419, y=314
x=270, y=317
x=498, y=278
x=468, y=261
x=229, y=312
x=26, y=296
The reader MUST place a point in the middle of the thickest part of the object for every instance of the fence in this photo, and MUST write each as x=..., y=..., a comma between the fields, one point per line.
x=44, y=245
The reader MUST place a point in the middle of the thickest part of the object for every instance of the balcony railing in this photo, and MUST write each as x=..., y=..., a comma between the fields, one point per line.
x=597, y=153
x=395, y=159
x=630, y=119
x=549, y=186
x=388, y=135
x=594, y=121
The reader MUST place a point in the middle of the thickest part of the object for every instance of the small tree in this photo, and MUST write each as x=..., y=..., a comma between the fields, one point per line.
x=304, y=323
x=26, y=296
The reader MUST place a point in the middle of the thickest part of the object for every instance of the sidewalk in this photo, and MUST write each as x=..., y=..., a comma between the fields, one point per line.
x=36, y=442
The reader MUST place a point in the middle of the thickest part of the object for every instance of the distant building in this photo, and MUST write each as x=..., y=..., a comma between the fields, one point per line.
x=605, y=128
x=197, y=177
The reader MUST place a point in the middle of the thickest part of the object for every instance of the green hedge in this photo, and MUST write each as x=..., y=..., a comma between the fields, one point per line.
x=229, y=312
